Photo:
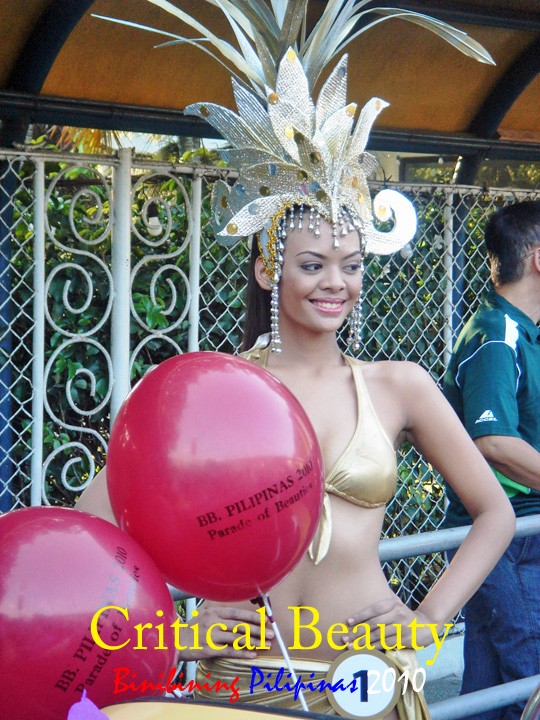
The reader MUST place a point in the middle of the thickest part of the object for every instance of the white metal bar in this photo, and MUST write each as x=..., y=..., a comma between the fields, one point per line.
x=195, y=263
x=531, y=711
x=191, y=666
x=121, y=272
x=438, y=540
x=497, y=696
x=38, y=337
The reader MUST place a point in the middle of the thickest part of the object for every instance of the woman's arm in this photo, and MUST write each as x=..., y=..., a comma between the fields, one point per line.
x=435, y=430
x=95, y=499
x=421, y=415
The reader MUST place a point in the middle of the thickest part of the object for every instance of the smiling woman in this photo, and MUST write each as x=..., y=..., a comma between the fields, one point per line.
x=320, y=283
x=361, y=413
x=303, y=193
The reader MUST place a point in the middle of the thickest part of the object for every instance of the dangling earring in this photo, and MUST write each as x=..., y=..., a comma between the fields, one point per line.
x=355, y=318
x=275, y=340
x=355, y=324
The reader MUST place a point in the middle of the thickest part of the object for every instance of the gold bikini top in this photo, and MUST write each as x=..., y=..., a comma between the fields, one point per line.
x=366, y=471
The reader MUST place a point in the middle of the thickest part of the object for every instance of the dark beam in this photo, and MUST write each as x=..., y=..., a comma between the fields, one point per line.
x=36, y=58
x=463, y=13
x=507, y=90
x=164, y=121
x=44, y=43
x=432, y=143
x=499, y=101
x=104, y=116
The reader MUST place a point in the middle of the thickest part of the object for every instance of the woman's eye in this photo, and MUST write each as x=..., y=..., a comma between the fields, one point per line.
x=352, y=267
x=311, y=267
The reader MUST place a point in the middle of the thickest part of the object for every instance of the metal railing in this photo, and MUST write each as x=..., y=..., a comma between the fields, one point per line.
x=440, y=540
x=490, y=698
x=532, y=708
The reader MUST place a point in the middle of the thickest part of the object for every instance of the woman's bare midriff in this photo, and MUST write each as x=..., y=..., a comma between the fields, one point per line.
x=345, y=582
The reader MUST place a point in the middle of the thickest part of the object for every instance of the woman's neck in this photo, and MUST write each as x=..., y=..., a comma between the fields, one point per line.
x=318, y=351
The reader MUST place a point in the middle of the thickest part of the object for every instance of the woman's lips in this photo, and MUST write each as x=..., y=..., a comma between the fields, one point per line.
x=327, y=306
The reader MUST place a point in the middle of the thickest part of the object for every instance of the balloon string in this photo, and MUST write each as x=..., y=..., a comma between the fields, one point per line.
x=264, y=597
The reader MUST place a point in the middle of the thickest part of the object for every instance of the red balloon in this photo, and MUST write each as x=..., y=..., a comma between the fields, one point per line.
x=215, y=469
x=58, y=568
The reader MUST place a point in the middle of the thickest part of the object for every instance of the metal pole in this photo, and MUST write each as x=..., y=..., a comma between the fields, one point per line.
x=38, y=337
x=193, y=315
x=195, y=263
x=438, y=540
x=459, y=285
x=498, y=696
x=532, y=708
x=121, y=272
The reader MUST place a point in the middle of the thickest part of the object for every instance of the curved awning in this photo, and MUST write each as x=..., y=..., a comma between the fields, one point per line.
x=60, y=64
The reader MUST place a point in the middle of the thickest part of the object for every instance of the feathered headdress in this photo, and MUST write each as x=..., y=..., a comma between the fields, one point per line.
x=288, y=149
x=293, y=153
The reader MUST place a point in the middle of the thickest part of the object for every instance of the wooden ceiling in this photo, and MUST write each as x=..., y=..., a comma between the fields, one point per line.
x=60, y=64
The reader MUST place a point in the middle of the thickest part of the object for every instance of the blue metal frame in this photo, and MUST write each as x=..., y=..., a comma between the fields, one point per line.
x=6, y=340
x=29, y=73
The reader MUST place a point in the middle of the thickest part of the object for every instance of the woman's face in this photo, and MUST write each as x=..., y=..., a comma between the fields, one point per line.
x=319, y=283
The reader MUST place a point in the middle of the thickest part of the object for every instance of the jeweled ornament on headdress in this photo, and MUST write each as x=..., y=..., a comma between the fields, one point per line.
x=296, y=153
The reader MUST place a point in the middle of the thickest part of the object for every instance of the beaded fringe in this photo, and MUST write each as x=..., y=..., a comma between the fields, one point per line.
x=293, y=219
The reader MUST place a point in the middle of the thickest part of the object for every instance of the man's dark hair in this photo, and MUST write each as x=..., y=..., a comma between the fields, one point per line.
x=512, y=232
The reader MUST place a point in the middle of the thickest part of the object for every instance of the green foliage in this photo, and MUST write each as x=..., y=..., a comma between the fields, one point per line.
x=418, y=503
x=490, y=174
x=404, y=297
x=78, y=299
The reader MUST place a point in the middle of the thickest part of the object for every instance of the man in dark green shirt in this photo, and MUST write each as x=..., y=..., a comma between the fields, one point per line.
x=493, y=383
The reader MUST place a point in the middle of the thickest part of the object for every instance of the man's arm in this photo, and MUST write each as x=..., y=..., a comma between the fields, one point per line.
x=512, y=457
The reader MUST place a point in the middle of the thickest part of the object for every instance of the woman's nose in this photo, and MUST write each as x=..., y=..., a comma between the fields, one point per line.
x=333, y=278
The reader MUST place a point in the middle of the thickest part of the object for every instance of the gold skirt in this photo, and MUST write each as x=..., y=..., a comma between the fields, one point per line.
x=410, y=706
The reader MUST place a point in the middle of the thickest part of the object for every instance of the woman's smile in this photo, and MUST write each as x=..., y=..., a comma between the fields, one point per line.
x=328, y=306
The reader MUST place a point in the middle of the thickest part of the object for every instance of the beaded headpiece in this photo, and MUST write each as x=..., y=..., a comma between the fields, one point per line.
x=296, y=153
x=295, y=156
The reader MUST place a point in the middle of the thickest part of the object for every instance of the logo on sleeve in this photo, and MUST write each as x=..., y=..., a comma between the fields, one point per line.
x=486, y=416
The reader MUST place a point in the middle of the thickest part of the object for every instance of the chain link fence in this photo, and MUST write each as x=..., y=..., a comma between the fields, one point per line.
x=108, y=266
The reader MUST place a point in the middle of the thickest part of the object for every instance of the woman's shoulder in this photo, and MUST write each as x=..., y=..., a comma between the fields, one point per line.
x=392, y=371
x=395, y=387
